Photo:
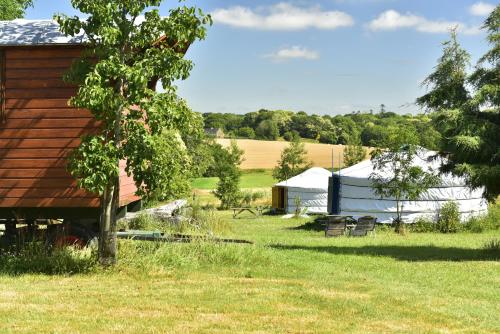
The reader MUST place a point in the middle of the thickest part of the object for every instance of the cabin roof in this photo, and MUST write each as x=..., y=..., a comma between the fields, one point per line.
x=34, y=32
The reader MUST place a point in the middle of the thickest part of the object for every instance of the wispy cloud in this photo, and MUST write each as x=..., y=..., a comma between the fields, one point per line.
x=282, y=16
x=393, y=20
x=481, y=8
x=295, y=52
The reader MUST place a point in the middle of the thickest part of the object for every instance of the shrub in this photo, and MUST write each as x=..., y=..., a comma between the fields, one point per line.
x=476, y=224
x=291, y=135
x=250, y=197
x=493, y=246
x=423, y=225
x=226, y=167
x=246, y=132
x=490, y=221
x=449, y=218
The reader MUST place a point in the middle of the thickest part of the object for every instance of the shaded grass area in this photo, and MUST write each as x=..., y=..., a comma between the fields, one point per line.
x=292, y=280
x=249, y=179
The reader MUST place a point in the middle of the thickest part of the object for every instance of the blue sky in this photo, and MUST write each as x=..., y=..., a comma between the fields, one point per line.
x=319, y=56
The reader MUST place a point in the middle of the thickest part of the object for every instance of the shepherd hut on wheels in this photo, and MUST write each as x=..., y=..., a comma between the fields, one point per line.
x=38, y=130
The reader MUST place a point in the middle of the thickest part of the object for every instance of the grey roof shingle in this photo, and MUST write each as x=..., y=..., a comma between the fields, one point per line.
x=34, y=32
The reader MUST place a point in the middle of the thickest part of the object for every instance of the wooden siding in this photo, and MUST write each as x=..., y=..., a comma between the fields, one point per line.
x=40, y=130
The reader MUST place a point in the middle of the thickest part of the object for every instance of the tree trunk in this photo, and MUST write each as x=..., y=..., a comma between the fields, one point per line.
x=398, y=215
x=107, y=237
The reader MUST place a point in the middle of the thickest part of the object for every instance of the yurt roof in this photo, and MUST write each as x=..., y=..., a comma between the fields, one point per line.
x=313, y=178
x=34, y=32
x=428, y=160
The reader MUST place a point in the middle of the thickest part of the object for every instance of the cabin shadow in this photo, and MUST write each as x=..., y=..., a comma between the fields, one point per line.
x=403, y=253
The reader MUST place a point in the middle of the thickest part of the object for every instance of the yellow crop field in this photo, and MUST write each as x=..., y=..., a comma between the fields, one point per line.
x=265, y=154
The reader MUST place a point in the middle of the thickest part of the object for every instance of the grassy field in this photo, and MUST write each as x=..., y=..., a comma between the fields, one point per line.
x=265, y=154
x=291, y=280
x=249, y=179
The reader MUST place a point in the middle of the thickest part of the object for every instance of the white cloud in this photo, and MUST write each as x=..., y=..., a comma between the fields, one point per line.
x=481, y=8
x=295, y=52
x=282, y=16
x=393, y=20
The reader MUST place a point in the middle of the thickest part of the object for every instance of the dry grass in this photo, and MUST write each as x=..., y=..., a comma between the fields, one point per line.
x=265, y=154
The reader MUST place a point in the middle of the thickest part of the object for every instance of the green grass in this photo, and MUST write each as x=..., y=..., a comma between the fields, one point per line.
x=249, y=179
x=291, y=280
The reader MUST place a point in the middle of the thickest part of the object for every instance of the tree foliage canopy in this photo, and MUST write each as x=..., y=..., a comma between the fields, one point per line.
x=133, y=52
x=293, y=161
x=367, y=128
x=470, y=128
x=226, y=167
x=448, y=80
x=129, y=48
x=395, y=176
x=13, y=9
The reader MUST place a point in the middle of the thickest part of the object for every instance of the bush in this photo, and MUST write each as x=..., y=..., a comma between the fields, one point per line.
x=490, y=221
x=476, y=224
x=449, y=218
x=291, y=135
x=423, y=225
x=493, y=246
x=250, y=197
x=245, y=132
x=267, y=130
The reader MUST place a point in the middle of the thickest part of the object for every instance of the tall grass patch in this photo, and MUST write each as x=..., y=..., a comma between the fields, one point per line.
x=193, y=255
x=37, y=258
x=489, y=221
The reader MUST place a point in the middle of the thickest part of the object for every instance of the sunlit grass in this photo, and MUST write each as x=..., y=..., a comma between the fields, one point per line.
x=290, y=280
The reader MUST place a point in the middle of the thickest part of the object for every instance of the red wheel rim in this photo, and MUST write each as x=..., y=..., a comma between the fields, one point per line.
x=69, y=240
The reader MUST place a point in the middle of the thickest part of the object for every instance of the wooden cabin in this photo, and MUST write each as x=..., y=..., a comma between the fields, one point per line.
x=38, y=129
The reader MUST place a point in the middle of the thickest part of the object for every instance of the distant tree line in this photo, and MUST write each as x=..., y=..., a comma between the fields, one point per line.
x=366, y=128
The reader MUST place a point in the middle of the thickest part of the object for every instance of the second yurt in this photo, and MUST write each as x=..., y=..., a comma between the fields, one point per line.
x=351, y=194
x=309, y=188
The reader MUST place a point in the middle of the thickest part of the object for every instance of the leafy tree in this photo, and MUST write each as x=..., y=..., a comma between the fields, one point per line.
x=226, y=168
x=449, y=78
x=246, y=132
x=291, y=135
x=382, y=108
x=293, y=161
x=354, y=154
x=346, y=129
x=395, y=176
x=470, y=130
x=267, y=129
x=130, y=50
x=13, y=9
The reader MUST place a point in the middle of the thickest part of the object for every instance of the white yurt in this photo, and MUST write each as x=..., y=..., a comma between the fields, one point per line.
x=351, y=194
x=311, y=187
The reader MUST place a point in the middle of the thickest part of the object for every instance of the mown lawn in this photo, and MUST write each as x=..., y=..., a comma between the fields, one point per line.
x=291, y=280
x=249, y=179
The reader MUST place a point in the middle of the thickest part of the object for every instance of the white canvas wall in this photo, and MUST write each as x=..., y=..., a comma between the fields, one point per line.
x=357, y=198
x=311, y=187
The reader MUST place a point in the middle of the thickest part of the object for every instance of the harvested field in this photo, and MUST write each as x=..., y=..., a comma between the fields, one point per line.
x=265, y=154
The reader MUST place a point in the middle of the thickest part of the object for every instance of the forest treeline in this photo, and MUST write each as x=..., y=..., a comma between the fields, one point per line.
x=366, y=128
